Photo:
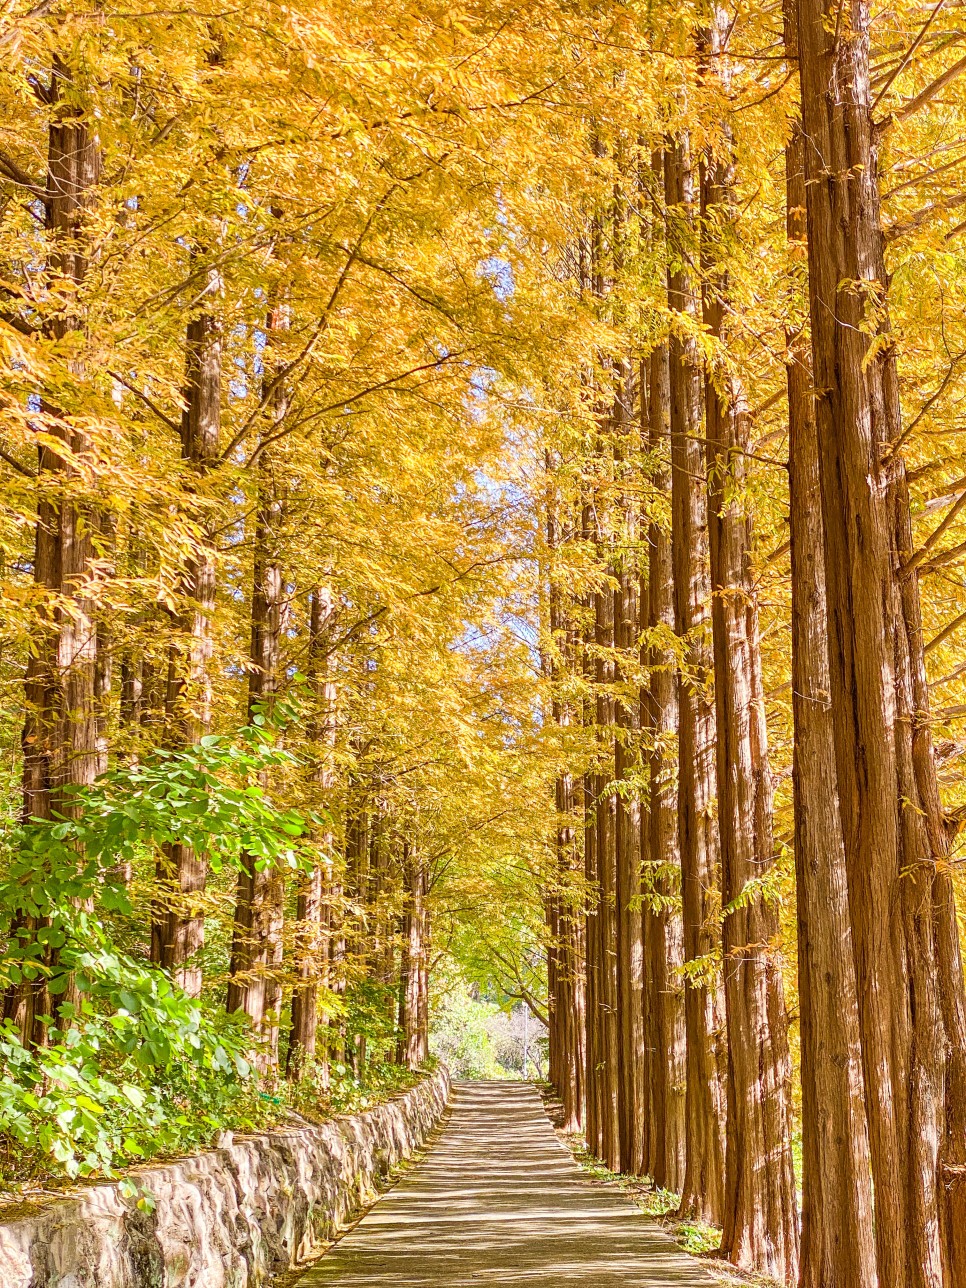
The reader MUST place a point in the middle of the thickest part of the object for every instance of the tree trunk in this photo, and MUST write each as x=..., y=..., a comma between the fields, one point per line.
x=605, y=808
x=571, y=1014
x=592, y=921
x=413, y=978
x=355, y=930
x=256, y=939
x=761, y=1220
x=664, y=931
x=908, y=969
x=313, y=901
x=60, y=734
x=179, y=926
x=565, y=949
x=256, y=957
x=703, y=1193
x=837, y=1239
x=633, y=1119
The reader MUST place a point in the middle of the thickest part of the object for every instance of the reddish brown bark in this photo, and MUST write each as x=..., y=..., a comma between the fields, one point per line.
x=313, y=901
x=837, y=1240
x=256, y=955
x=414, y=971
x=908, y=969
x=257, y=940
x=663, y=927
x=634, y=1127
x=178, y=931
x=703, y=1192
x=566, y=1002
x=607, y=1071
x=60, y=734
x=760, y=1219
x=570, y=1017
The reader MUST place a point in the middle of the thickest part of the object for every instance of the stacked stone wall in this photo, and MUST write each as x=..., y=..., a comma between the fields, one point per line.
x=230, y=1218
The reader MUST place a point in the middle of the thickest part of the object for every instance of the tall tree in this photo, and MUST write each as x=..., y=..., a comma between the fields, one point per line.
x=634, y=1120
x=761, y=1220
x=178, y=931
x=837, y=1239
x=663, y=928
x=906, y=944
x=565, y=960
x=414, y=971
x=316, y=893
x=703, y=1193
x=255, y=985
x=60, y=734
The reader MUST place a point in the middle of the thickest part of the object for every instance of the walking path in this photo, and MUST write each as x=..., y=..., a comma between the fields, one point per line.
x=498, y=1200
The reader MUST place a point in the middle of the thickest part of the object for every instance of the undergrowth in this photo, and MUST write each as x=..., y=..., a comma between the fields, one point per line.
x=119, y=1065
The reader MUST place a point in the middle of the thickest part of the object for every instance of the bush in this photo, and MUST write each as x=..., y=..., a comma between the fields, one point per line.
x=130, y=1066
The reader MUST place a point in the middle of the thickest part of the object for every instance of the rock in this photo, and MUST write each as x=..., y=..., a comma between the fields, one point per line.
x=229, y=1218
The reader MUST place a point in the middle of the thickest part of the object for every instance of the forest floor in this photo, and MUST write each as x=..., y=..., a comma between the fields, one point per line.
x=500, y=1200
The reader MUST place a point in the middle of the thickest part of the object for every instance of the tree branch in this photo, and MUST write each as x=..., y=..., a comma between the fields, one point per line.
x=945, y=633
x=916, y=221
x=20, y=177
x=15, y=465
x=172, y=424
x=904, y=62
x=916, y=559
x=924, y=96
x=943, y=558
x=323, y=321
x=347, y=402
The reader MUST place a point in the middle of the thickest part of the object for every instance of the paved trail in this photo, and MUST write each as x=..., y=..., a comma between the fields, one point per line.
x=498, y=1200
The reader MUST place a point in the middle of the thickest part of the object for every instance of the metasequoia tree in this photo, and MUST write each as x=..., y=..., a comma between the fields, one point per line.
x=903, y=924
x=254, y=985
x=634, y=1120
x=663, y=928
x=317, y=895
x=60, y=732
x=178, y=932
x=414, y=969
x=565, y=949
x=837, y=1241
x=600, y=833
x=59, y=738
x=703, y=1191
x=760, y=1217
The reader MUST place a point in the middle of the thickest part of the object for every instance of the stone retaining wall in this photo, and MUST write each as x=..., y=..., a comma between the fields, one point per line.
x=230, y=1218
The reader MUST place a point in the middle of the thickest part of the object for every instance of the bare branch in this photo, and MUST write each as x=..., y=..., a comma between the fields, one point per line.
x=344, y=403
x=15, y=465
x=943, y=558
x=16, y=175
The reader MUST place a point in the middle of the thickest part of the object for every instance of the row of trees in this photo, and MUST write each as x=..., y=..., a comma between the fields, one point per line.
x=670, y=1023
x=398, y=547
x=252, y=581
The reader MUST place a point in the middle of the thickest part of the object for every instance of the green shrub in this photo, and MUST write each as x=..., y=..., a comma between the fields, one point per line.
x=130, y=1067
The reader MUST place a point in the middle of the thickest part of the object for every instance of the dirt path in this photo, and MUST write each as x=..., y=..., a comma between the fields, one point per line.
x=498, y=1200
